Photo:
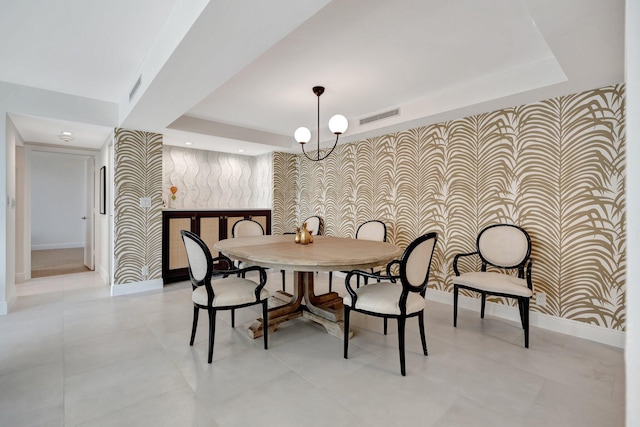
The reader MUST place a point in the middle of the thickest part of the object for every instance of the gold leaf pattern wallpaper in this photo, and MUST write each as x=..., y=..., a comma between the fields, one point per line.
x=554, y=167
x=137, y=231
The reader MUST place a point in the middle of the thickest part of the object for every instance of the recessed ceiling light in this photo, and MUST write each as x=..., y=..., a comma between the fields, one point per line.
x=66, y=136
x=187, y=143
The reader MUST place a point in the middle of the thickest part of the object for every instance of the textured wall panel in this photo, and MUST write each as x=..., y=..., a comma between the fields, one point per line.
x=137, y=231
x=212, y=180
x=554, y=167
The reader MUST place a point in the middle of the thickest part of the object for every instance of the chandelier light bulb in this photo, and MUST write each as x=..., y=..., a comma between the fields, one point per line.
x=338, y=124
x=302, y=135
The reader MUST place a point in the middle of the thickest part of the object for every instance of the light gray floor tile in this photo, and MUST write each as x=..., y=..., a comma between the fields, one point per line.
x=72, y=355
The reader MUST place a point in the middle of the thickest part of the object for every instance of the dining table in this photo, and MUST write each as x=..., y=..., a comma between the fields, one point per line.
x=326, y=253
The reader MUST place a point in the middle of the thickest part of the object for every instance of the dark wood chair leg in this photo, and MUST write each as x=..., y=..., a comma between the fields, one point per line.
x=484, y=302
x=196, y=311
x=455, y=305
x=265, y=322
x=233, y=318
x=526, y=321
x=401, y=324
x=385, y=326
x=212, y=331
x=423, y=336
x=330, y=280
x=521, y=309
x=282, y=271
x=346, y=331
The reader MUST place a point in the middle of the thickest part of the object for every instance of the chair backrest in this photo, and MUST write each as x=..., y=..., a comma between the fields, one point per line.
x=372, y=230
x=504, y=246
x=416, y=262
x=199, y=257
x=314, y=225
x=247, y=228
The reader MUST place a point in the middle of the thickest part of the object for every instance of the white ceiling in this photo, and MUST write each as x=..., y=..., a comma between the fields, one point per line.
x=238, y=75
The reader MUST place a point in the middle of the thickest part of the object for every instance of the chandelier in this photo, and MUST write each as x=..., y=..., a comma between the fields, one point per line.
x=337, y=124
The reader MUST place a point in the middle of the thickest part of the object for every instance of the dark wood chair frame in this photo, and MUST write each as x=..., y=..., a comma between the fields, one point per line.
x=406, y=288
x=366, y=279
x=524, y=271
x=206, y=281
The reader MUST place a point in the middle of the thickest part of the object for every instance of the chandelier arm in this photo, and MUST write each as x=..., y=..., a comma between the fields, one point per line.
x=318, y=159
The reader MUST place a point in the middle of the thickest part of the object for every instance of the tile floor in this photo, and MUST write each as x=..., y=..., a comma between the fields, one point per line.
x=71, y=355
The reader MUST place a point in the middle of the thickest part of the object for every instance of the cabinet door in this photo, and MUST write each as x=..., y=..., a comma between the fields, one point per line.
x=177, y=252
x=210, y=232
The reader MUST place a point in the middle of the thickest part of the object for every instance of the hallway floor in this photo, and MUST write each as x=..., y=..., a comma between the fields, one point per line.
x=71, y=355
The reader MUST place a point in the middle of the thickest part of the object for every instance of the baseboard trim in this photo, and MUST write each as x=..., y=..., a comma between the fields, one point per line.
x=43, y=247
x=540, y=320
x=137, y=287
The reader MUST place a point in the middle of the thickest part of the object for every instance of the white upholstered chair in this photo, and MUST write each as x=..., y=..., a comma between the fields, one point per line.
x=375, y=230
x=246, y=228
x=400, y=299
x=504, y=248
x=229, y=292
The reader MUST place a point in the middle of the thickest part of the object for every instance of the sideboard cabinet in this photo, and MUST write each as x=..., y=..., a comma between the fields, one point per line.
x=211, y=226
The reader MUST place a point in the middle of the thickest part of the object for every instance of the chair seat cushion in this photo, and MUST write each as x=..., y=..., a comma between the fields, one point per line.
x=229, y=291
x=384, y=298
x=494, y=282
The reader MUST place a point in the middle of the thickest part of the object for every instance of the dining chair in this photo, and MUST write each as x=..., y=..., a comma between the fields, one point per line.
x=229, y=292
x=504, y=249
x=400, y=299
x=375, y=230
x=315, y=225
x=246, y=228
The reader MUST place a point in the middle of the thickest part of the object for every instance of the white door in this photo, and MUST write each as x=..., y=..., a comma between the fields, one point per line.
x=90, y=211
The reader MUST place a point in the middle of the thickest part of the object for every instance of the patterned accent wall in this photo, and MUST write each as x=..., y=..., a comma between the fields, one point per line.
x=555, y=167
x=285, y=177
x=212, y=180
x=138, y=231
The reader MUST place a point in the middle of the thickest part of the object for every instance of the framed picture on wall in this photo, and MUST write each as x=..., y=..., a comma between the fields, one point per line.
x=103, y=190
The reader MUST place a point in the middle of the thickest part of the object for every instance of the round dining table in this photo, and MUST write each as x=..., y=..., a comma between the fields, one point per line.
x=326, y=253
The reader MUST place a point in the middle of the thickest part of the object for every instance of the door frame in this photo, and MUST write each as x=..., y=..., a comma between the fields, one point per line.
x=29, y=149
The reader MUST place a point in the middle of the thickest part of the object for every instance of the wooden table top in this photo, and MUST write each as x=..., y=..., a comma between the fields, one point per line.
x=324, y=254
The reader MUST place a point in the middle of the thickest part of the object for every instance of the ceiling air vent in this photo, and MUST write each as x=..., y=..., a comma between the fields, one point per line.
x=380, y=116
x=135, y=88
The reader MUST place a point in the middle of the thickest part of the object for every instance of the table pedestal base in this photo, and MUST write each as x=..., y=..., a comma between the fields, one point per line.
x=326, y=309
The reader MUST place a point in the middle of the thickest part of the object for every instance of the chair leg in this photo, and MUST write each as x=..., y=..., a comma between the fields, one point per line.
x=330, y=280
x=455, y=305
x=521, y=310
x=385, y=325
x=484, y=302
x=233, y=317
x=265, y=322
x=525, y=317
x=212, y=331
x=423, y=336
x=196, y=311
x=401, y=323
x=346, y=331
x=282, y=271
x=358, y=281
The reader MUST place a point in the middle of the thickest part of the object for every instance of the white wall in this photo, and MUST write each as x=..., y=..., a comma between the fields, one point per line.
x=58, y=200
x=103, y=223
x=632, y=356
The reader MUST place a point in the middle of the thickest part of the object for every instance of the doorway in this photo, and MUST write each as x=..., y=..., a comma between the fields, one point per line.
x=62, y=211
